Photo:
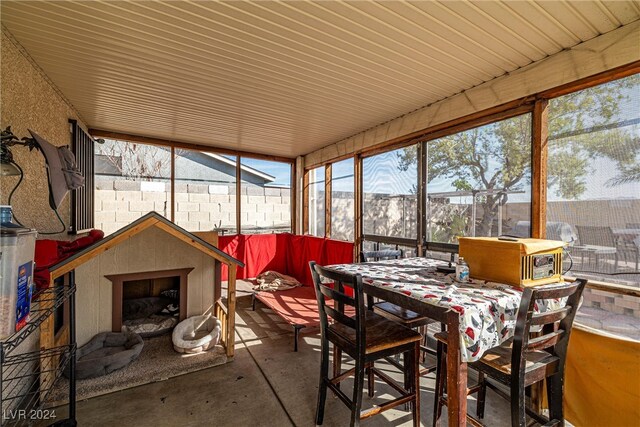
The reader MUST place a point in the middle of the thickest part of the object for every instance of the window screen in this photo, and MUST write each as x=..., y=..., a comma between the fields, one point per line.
x=594, y=194
x=342, y=200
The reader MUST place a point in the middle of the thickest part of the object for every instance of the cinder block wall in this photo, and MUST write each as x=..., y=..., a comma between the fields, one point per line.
x=199, y=207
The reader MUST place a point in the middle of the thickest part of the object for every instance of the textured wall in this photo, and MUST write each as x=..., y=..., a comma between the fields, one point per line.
x=29, y=101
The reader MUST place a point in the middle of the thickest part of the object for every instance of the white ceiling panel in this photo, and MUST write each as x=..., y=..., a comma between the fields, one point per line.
x=285, y=78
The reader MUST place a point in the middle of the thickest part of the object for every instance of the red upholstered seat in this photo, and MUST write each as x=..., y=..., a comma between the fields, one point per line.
x=288, y=254
x=297, y=306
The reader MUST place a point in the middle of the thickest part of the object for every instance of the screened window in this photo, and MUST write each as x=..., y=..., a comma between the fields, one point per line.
x=317, y=201
x=265, y=197
x=479, y=182
x=594, y=174
x=390, y=182
x=131, y=180
x=205, y=188
x=342, y=200
x=594, y=190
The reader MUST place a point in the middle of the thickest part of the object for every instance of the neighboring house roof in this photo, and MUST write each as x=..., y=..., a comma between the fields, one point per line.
x=152, y=219
x=245, y=168
x=112, y=165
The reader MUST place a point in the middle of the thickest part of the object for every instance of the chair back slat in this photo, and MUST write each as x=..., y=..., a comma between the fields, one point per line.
x=545, y=341
x=381, y=255
x=337, y=296
x=330, y=287
x=547, y=317
x=340, y=317
x=556, y=324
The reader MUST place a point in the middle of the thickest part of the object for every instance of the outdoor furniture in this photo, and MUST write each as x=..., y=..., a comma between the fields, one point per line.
x=524, y=360
x=478, y=315
x=287, y=254
x=597, y=241
x=628, y=243
x=196, y=334
x=555, y=231
x=393, y=312
x=366, y=337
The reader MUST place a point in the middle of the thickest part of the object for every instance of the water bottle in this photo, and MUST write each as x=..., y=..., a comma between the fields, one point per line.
x=462, y=270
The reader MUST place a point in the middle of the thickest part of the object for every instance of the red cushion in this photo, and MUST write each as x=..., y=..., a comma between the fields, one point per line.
x=297, y=306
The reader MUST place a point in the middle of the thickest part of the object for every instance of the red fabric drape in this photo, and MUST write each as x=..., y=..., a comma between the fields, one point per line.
x=286, y=253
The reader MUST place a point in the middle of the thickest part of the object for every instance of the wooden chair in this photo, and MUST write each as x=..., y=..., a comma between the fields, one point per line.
x=524, y=359
x=366, y=337
x=399, y=314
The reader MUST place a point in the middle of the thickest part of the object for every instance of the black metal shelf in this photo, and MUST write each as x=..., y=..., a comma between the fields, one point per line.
x=27, y=378
x=44, y=303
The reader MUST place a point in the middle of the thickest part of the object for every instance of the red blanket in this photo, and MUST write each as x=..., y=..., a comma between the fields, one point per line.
x=51, y=252
x=285, y=253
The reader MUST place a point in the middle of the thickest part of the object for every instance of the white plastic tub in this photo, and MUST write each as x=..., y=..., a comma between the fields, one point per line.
x=17, y=248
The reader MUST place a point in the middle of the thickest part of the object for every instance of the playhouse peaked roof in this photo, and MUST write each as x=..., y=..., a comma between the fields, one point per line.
x=152, y=219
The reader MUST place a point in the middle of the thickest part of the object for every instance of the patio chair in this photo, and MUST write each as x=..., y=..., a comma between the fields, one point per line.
x=627, y=247
x=366, y=337
x=597, y=241
x=399, y=314
x=524, y=359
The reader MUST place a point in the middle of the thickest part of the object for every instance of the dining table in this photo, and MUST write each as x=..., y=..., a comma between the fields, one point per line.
x=478, y=314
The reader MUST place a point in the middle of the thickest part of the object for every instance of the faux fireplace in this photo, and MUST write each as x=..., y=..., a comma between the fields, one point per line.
x=149, y=303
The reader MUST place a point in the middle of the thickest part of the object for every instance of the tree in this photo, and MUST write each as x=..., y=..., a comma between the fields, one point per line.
x=136, y=161
x=496, y=158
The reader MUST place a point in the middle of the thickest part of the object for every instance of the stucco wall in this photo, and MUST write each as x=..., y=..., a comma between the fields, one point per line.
x=29, y=101
x=150, y=250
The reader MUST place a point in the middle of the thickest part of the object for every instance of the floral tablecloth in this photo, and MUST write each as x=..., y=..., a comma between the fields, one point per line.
x=487, y=310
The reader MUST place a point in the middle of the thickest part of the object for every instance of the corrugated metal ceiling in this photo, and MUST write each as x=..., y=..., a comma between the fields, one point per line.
x=285, y=78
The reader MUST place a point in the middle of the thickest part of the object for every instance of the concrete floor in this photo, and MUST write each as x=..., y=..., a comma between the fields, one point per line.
x=267, y=384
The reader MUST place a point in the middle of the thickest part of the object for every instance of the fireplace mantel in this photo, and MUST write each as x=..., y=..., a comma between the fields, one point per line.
x=118, y=280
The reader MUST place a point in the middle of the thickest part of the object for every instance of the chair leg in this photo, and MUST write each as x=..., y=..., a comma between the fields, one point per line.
x=370, y=380
x=337, y=363
x=253, y=302
x=482, y=395
x=441, y=379
x=423, y=354
x=296, y=330
x=322, y=388
x=358, y=385
x=518, y=414
x=414, y=363
x=554, y=396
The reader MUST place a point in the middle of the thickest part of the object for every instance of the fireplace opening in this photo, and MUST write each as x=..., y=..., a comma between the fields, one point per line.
x=149, y=303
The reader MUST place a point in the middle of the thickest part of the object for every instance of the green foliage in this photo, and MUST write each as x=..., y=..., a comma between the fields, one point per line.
x=582, y=127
